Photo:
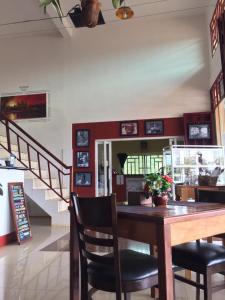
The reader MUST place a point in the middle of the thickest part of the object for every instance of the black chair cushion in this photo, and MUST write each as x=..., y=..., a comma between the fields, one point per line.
x=134, y=266
x=197, y=257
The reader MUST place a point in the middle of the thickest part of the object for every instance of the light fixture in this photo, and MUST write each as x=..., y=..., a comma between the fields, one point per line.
x=124, y=13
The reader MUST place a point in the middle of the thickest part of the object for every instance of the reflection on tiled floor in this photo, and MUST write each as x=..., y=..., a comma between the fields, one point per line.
x=26, y=273
x=61, y=244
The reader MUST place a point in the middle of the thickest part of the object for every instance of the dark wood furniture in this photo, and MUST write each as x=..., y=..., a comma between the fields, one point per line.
x=164, y=227
x=203, y=258
x=185, y=192
x=117, y=271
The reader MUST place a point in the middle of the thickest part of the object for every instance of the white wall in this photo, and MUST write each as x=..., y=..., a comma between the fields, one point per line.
x=144, y=68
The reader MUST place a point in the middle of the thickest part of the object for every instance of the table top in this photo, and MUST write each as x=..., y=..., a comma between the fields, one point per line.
x=172, y=213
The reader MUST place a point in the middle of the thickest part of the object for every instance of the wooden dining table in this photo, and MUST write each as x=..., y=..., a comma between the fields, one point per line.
x=165, y=227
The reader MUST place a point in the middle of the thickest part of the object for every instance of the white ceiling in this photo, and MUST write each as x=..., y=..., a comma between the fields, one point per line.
x=12, y=11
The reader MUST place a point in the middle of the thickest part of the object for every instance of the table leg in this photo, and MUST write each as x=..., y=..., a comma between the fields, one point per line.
x=166, y=281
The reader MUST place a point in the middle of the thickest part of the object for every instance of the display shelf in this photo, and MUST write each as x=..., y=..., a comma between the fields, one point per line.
x=184, y=163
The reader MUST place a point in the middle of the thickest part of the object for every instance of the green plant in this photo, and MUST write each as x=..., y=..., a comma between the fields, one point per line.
x=157, y=184
x=117, y=3
x=55, y=3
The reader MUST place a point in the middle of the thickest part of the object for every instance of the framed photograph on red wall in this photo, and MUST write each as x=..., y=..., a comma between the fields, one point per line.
x=154, y=127
x=83, y=179
x=82, y=137
x=129, y=128
x=82, y=159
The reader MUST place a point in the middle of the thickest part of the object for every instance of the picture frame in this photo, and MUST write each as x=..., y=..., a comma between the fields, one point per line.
x=154, y=127
x=82, y=137
x=82, y=159
x=83, y=179
x=199, y=131
x=129, y=128
x=28, y=106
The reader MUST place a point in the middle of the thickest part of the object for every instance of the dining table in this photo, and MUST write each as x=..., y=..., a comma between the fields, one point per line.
x=165, y=227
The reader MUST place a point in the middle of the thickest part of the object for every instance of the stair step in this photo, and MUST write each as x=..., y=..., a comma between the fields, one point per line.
x=50, y=195
x=38, y=184
x=3, y=138
x=13, y=147
x=30, y=175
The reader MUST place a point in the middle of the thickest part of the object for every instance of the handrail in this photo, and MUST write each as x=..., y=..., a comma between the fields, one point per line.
x=29, y=147
x=33, y=140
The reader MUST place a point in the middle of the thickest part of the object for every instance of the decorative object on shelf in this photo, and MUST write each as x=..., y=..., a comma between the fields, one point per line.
x=83, y=179
x=82, y=138
x=82, y=159
x=24, y=106
x=129, y=128
x=198, y=131
x=159, y=186
x=154, y=127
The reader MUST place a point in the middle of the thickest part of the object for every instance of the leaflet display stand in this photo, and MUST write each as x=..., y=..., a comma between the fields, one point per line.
x=19, y=211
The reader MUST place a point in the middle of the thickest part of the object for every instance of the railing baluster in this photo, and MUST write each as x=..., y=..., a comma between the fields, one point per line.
x=18, y=146
x=28, y=153
x=39, y=164
x=8, y=135
x=49, y=174
x=60, y=183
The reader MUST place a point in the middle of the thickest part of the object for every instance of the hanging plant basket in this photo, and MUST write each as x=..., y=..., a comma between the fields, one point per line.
x=90, y=12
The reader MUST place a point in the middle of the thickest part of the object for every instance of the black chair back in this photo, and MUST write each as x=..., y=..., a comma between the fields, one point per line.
x=97, y=215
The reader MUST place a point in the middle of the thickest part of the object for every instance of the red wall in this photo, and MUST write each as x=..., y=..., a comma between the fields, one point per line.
x=111, y=130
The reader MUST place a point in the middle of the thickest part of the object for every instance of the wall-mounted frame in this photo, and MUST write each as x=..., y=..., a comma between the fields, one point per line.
x=129, y=128
x=154, y=127
x=82, y=137
x=25, y=106
x=199, y=131
x=83, y=179
x=82, y=159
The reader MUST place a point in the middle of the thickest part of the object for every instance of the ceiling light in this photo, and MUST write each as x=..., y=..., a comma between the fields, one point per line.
x=124, y=13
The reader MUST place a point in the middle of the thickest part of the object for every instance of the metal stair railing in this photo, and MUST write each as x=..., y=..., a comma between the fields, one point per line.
x=45, y=160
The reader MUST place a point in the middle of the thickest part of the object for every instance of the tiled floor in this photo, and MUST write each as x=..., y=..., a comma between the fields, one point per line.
x=27, y=273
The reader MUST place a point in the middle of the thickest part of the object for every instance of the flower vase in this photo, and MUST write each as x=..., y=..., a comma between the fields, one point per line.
x=160, y=200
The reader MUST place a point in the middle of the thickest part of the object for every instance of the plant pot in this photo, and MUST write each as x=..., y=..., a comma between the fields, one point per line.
x=90, y=12
x=160, y=200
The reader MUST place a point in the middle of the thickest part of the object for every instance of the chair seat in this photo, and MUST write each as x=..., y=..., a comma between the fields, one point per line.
x=134, y=266
x=197, y=257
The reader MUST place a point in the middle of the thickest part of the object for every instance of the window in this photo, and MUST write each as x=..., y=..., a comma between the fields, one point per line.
x=142, y=164
x=214, y=32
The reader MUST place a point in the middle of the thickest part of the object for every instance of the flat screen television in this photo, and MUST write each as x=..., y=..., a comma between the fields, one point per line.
x=199, y=131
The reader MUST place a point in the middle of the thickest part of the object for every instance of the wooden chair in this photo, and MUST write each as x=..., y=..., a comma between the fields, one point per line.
x=203, y=258
x=118, y=271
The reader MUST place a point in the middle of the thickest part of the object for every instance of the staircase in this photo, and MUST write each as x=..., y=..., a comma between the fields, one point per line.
x=48, y=180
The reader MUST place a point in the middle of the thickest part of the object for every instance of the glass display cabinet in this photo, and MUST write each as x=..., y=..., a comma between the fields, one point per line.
x=186, y=164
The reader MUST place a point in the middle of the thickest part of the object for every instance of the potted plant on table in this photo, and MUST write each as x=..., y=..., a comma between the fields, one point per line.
x=158, y=186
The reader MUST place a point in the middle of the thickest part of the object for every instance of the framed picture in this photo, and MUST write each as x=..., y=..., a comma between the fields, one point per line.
x=82, y=138
x=129, y=128
x=28, y=106
x=154, y=127
x=83, y=179
x=82, y=159
x=199, y=131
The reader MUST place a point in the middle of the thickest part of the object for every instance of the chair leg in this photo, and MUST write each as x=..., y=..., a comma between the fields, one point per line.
x=127, y=296
x=197, y=288
x=84, y=285
x=208, y=286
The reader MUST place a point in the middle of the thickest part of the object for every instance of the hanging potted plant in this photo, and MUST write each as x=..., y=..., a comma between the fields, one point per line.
x=55, y=3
